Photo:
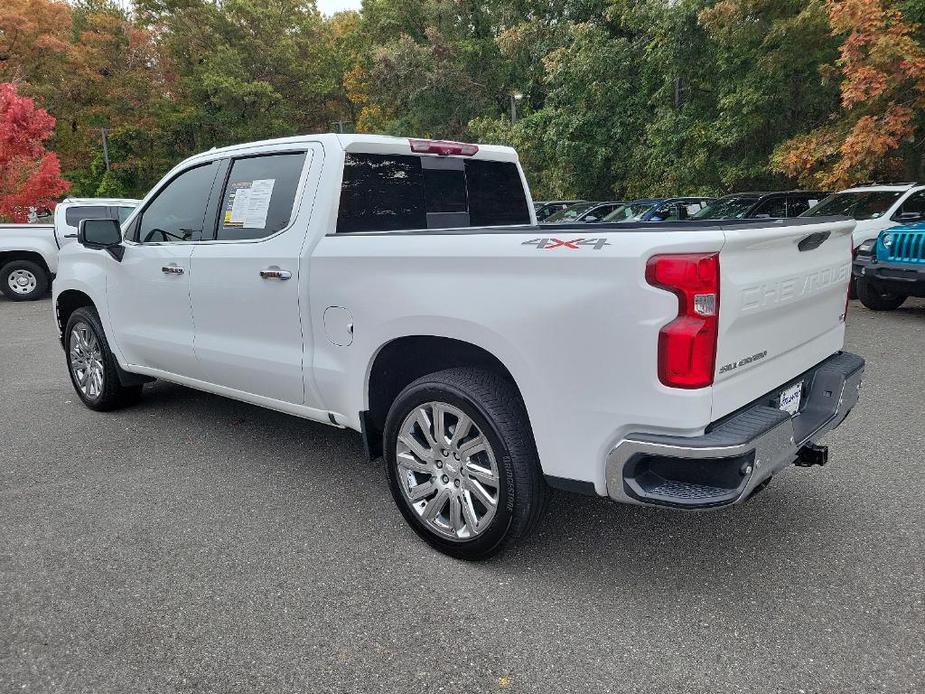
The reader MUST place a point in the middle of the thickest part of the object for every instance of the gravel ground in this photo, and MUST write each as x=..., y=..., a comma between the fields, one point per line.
x=193, y=543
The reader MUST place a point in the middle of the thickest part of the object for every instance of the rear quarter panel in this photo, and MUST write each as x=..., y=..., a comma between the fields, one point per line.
x=576, y=327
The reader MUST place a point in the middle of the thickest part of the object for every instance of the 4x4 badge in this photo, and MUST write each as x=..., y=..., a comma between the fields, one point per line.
x=548, y=244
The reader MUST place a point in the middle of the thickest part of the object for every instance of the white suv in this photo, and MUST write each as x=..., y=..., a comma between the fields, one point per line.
x=874, y=208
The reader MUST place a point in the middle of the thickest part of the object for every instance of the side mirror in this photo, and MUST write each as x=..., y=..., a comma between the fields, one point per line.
x=101, y=234
x=591, y=218
x=910, y=217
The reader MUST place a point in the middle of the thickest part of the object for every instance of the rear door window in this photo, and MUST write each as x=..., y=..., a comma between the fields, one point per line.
x=396, y=192
x=259, y=196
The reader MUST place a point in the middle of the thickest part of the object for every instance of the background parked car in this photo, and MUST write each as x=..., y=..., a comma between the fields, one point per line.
x=874, y=207
x=584, y=212
x=658, y=209
x=891, y=268
x=777, y=205
x=544, y=208
x=29, y=252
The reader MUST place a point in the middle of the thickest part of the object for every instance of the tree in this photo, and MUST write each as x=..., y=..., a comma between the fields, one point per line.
x=430, y=66
x=34, y=41
x=879, y=128
x=30, y=177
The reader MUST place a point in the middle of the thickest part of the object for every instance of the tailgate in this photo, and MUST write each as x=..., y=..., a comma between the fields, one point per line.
x=783, y=289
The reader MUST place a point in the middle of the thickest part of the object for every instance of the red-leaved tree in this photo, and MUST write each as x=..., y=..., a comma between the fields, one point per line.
x=29, y=175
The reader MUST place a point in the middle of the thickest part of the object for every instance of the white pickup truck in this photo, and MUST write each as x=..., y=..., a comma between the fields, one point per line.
x=402, y=288
x=29, y=252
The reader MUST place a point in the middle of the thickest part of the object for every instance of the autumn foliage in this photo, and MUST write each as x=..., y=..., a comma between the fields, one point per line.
x=882, y=92
x=618, y=98
x=30, y=177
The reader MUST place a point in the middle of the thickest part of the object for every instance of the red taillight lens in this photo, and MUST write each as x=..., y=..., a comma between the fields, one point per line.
x=687, y=345
x=443, y=147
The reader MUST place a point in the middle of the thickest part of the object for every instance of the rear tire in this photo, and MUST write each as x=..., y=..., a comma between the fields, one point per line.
x=23, y=280
x=876, y=300
x=92, y=366
x=472, y=482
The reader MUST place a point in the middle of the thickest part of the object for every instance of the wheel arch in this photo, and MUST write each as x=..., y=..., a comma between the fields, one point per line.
x=31, y=256
x=404, y=359
x=66, y=303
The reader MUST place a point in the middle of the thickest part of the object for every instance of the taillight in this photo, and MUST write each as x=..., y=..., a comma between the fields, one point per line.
x=443, y=147
x=687, y=345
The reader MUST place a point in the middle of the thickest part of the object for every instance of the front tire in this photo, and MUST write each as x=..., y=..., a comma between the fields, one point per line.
x=23, y=280
x=876, y=300
x=461, y=462
x=92, y=366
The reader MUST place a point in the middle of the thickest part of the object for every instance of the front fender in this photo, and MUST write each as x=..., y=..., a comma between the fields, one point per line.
x=81, y=271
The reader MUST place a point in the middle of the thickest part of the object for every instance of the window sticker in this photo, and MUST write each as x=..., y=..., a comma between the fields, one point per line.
x=249, y=203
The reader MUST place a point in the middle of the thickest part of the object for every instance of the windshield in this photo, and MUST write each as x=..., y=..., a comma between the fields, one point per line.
x=726, y=208
x=571, y=213
x=629, y=212
x=859, y=205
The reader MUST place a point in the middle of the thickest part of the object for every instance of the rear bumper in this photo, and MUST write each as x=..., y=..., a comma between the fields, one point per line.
x=907, y=279
x=739, y=453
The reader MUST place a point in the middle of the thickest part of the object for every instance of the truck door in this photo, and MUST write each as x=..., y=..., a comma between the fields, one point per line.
x=148, y=293
x=245, y=285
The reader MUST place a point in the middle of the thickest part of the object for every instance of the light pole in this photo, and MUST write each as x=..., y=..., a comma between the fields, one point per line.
x=515, y=97
x=105, y=132
x=340, y=124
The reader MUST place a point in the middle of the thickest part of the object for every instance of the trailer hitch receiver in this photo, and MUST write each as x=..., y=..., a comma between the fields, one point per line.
x=811, y=454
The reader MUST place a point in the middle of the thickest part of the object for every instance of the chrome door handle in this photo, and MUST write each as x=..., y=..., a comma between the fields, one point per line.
x=275, y=274
x=172, y=270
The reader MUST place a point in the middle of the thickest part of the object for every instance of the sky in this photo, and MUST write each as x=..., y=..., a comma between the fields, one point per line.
x=329, y=7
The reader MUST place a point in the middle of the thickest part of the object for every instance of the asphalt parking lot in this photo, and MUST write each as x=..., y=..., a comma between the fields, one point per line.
x=193, y=543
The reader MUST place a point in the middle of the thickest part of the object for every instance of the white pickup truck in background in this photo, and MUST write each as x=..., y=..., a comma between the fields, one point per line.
x=29, y=252
x=402, y=288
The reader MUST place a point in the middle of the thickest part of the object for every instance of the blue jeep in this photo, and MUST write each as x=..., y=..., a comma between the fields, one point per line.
x=891, y=267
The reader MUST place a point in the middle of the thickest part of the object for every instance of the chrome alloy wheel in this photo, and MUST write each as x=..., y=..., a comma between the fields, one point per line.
x=86, y=360
x=447, y=471
x=22, y=281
